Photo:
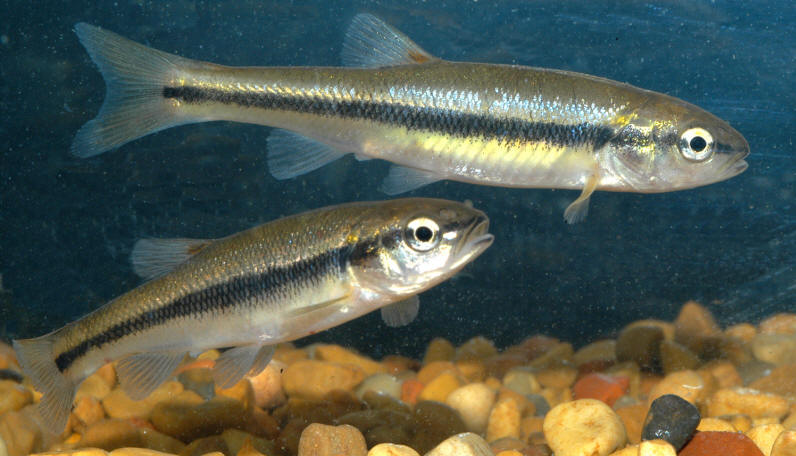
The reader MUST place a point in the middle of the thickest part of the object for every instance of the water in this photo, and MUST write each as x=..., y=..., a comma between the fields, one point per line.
x=68, y=224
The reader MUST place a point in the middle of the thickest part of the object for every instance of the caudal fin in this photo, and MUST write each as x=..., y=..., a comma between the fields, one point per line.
x=134, y=106
x=37, y=360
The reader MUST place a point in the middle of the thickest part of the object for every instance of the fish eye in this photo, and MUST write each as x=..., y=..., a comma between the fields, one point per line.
x=696, y=144
x=422, y=234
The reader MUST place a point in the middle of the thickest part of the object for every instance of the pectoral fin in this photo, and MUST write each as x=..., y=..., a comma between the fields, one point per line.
x=234, y=363
x=291, y=154
x=577, y=211
x=401, y=313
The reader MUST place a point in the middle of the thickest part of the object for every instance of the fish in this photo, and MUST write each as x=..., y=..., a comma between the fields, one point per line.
x=273, y=283
x=433, y=119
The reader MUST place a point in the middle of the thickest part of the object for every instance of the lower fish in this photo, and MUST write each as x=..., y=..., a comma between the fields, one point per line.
x=500, y=125
x=273, y=283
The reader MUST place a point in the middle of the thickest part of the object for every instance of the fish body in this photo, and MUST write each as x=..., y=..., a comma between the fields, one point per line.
x=502, y=125
x=273, y=283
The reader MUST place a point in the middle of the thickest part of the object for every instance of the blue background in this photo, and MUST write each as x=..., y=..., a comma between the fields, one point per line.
x=67, y=225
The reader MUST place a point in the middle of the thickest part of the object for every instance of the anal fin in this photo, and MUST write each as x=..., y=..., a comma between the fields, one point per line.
x=291, y=154
x=578, y=209
x=142, y=373
x=402, y=179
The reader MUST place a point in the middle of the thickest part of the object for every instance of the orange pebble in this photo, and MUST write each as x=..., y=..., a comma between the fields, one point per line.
x=601, y=387
x=410, y=389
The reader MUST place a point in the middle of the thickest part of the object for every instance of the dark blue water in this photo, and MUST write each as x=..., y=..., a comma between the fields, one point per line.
x=67, y=225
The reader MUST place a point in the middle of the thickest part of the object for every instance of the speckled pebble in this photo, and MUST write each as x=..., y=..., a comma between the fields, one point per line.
x=765, y=435
x=785, y=445
x=656, y=448
x=315, y=379
x=716, y=425
x=466, y=444
x=585, y=427
x=391, y=449
x=473, y=402
x=671, y=418
x=751, y=402
x=504, y=420
x=267, y=386
x=688, y=384
x=322, y=440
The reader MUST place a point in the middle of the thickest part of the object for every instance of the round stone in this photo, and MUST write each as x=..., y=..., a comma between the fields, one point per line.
x=583, y=427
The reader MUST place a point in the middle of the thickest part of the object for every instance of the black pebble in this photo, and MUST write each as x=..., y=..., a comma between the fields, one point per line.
x=8, y=374
x=671, y=418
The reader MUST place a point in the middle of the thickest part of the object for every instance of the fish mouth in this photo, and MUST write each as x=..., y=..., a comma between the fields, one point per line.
x=477, y=240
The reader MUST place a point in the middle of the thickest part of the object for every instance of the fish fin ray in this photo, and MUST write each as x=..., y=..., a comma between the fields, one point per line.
x=579, y=209
x=134, y=106
x=234, y=363
x=401, y=313
x=36, y=357
x=153, y=258
x=291, y=154
x=372, y=43
x=142, y=373
x=401, y=179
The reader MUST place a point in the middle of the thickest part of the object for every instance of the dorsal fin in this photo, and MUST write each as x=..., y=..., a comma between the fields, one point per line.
x=372, y=43
x=154, y=257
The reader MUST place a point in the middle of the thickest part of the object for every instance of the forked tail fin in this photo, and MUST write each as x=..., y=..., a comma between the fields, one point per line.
x=134, y=105
x=38, y=361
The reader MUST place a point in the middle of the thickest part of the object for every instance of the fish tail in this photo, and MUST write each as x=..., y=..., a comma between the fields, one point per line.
x=135, y=76
x=36, y=356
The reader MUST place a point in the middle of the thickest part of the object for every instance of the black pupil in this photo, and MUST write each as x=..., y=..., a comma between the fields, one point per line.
x=698, y=144
x=423, y=234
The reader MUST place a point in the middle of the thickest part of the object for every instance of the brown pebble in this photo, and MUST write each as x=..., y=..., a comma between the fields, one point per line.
x=439, y=349
x=724, y=373
x=688, y=384
x=765, y=435
x=189, y=422
x=117, y=403
x=715, y=424
x=13, y=396
x=633, y=418
x=602, y=352
x=476, y=348
x=782, y=323
x=742, y=331
x=267, y=386
x=558, y=377
x=322, y=440
x=20, y=432
x=88, y=410
x=785, y=445
x=341, y=355
x=756, y=404
x=693, y=324
x=779, y=381
x=677, y=357
x=504, y=420
x=720, y=443
x=391, y=449
x=433, y=369
x=777, y=349
x=434, y=423
x=315, y=379
x=440, y=387
x=640, y=344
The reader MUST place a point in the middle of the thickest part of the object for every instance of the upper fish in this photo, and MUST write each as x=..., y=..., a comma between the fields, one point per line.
x=502, y=125
x=272, y=283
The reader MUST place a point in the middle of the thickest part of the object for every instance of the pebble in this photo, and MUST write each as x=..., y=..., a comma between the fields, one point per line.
x=605, y=388
x=267, y=386
x=315, y=379
x=88, y=410
x=13, y=396
x=627, y=451
x=434, y=423
x=19, y=432
x=94, y=386
x=742, y=331
x=440, y=387
x=561, y=353
x=504, y=420
x=670, y=418
x=779, y=381
x=392, y=449
x=476, y=348
x=380, y=383
x=410, y=390
x=557, y=377
x=754, y=370
x=687, y=384
x=785, y=445
x=117, y=403
x=340, y=355
x=434, y=369
x=198, y=379
x=783, y=323
x=656, y=448
x=640, y=343
x=380, y=426
x=677, y=357
x=472, y=370
x=439, y=349
x=238, y=441
x=724, y=373
x=596, y=355
x=765, y=435
x=583, y=427
x=720, y=443
x=473, y=402
x=633, y=418
x=522, y=381
x=322, y=440
x=715, y=424
x=465, y=444
x=188, y=421
x=693, y=324
x=777, y=349
x=756, y=404
x=116, y=433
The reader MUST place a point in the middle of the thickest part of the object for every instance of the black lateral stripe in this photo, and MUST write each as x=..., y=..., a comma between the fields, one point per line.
x=217, y=298
x=433, y=119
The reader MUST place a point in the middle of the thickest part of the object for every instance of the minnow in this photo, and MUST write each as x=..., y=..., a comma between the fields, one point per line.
x=273, y=283
x=500, y=125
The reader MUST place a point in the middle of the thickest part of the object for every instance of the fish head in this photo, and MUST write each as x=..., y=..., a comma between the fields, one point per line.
x=668, y=144
x=419, y=243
